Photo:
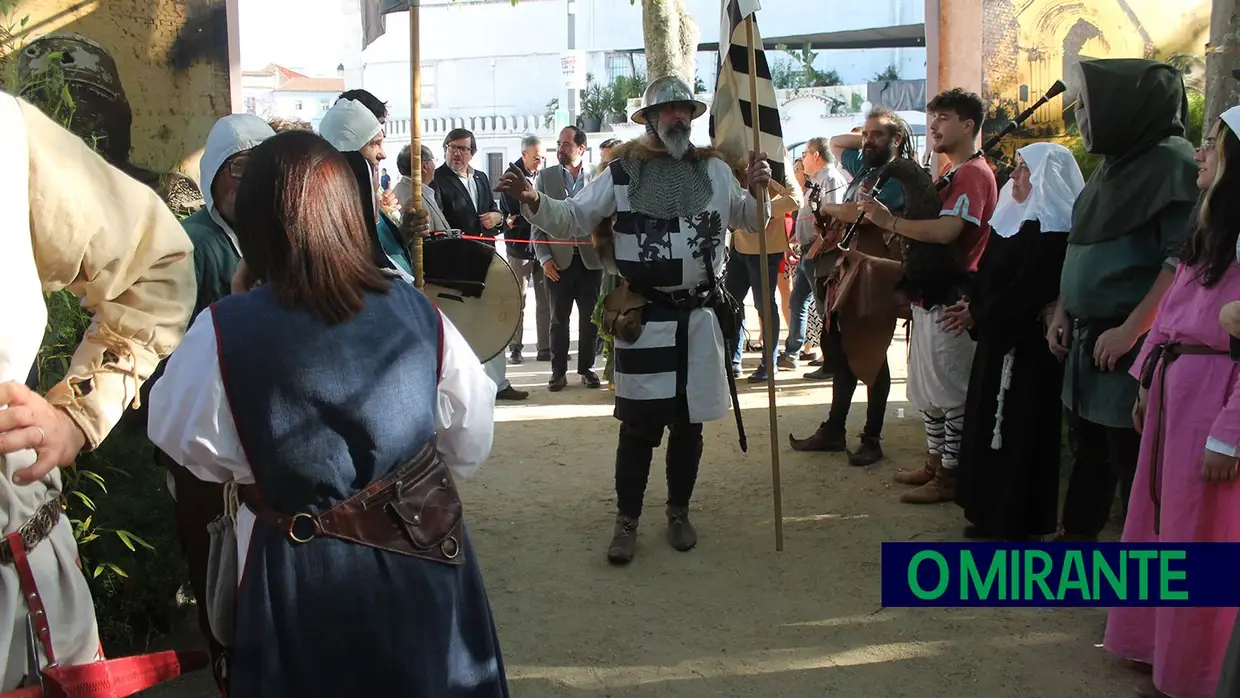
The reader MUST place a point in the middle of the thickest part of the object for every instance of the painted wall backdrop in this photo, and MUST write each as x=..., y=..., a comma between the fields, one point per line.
x=1028, y=44
x=171, y=63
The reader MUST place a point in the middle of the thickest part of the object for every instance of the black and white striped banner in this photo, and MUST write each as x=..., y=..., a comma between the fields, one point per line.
x=730, y=114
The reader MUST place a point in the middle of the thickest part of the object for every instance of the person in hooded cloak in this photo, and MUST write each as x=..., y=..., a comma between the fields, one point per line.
x=1126, y=230
x=217, y=253
x=1008, y=478
x=71, y=222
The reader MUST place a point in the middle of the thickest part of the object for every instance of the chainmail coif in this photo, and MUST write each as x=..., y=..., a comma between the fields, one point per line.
x=664, y=187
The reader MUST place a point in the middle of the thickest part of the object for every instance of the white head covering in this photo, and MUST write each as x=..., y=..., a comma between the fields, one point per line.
x=1231, y=117
x=349, y=126
x=229, y=136
x=1055, y=182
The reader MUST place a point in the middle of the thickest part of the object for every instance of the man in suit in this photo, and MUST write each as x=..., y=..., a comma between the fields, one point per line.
x=468, y=205
x=465, y=193
x=518, y=245
x=403, y=190
x=574, y=272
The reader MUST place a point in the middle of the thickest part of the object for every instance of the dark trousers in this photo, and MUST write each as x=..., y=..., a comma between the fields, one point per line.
x=198, y=503
x=742, y=273
x=844, y=384
x=579, y=286
x=1105, y=457
x=636, y=450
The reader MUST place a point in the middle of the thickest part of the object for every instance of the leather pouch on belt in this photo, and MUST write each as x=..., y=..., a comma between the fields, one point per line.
x=428, y=512
x=622, y=313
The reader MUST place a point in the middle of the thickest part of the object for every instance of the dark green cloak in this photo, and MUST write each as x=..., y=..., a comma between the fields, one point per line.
x=1137, y=110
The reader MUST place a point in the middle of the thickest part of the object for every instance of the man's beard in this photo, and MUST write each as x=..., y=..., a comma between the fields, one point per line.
x=564, y=159
x=675, y=138
x=876, y=156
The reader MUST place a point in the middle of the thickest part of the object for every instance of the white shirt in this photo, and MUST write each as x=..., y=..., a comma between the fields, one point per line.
x=470, y=184
x=191, y=421
x=833, y=182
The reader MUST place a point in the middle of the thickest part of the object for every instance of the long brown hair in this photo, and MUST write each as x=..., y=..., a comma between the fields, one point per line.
x=1210, y=246
x=300, y=227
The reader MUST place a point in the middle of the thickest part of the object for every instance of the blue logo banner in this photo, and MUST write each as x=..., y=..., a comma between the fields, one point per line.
x=1061, y=574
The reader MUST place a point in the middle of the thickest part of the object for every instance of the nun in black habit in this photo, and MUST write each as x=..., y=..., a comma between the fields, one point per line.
x=1008, y=478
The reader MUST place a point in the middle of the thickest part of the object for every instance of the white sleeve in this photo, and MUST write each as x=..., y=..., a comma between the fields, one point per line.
x=743, y=208
x=465, y=406
x=579, y=215
x=189, y=416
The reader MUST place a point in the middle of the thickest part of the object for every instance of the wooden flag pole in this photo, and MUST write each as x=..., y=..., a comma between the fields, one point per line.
x=415, y=143
x=768, y=342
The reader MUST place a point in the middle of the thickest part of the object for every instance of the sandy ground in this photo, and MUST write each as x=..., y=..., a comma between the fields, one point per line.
x=734, y=617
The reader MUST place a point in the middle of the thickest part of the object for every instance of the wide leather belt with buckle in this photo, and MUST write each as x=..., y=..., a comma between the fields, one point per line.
x=35, y=530
x=415, y=510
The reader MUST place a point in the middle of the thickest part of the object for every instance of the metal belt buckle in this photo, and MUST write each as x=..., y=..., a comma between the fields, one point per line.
x=292, y=526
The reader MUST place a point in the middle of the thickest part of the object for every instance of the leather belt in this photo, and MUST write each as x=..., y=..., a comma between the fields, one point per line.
x=35, y=530
x=1155, y=366
x=414, y=510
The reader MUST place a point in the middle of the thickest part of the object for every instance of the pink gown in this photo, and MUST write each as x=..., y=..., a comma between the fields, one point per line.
x=1201, y=402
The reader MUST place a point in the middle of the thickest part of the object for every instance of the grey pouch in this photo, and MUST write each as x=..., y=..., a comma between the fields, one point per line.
x=222, y=573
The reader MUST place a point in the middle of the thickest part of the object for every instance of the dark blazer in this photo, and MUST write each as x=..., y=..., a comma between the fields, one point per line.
x=458, y=208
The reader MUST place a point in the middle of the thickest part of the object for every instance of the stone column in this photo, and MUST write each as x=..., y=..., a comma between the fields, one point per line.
x=953, y=48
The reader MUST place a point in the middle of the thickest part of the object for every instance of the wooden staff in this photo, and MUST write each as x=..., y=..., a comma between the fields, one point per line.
x=415, y=144
x=767, y=320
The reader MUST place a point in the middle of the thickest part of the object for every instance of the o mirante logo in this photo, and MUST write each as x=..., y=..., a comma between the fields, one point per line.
x=1061, y=574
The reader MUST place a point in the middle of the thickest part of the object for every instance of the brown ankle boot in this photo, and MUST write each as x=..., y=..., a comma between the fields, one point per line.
x=941, y=489
x=921, y=475
x=828, y=439
x=624, y=541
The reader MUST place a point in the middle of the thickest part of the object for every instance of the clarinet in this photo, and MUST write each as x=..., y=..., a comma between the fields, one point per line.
x=1057, y=89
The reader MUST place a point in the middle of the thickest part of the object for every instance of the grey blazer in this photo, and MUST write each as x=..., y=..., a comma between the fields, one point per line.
x=550, y=182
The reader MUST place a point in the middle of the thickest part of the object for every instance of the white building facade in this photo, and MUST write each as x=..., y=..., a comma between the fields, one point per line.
x=493, y=67
x=276, y=91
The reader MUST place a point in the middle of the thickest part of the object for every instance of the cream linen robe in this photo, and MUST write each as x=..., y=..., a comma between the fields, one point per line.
x=72, y=221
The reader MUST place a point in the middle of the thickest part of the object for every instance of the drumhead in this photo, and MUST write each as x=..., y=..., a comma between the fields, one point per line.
x=476, y=289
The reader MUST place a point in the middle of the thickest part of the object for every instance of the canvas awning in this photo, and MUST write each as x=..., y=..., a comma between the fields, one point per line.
x=903, y=36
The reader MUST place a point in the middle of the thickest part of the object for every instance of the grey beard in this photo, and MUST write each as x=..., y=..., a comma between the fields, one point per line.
x=676, y=141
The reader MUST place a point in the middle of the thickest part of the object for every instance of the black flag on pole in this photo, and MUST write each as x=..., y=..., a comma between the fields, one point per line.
x=374, y=17
x=730, y=115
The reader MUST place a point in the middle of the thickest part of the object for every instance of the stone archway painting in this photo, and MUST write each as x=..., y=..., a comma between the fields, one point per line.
x=1029, y=44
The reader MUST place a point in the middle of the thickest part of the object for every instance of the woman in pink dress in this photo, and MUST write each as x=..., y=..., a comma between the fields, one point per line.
x=1188, y=414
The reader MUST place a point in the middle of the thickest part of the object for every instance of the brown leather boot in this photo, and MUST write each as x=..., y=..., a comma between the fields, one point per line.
x=623, y=542
x=828, y=438
x=680, y=533
x=921, y=475
x=941, y=489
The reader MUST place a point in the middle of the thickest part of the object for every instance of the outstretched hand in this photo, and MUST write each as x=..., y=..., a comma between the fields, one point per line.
x=515, y=184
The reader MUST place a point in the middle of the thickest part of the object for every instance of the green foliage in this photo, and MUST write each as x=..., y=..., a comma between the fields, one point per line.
x=891, y=74
x=114, y=497
x=622, y=89
x=800, y=71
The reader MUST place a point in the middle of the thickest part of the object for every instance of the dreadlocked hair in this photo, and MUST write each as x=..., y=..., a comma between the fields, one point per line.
x=898, y=128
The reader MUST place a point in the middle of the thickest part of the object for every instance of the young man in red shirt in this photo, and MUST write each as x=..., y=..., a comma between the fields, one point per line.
x=941, y=353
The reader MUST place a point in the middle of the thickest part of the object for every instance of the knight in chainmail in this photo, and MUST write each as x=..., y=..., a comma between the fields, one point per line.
x=673, y=205
x=99, y=112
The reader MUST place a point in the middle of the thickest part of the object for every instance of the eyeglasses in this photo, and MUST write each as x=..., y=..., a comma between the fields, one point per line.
x=459, y=149
x=1209, y=144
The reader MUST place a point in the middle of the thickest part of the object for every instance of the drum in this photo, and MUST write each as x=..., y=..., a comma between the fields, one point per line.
x=476, y=289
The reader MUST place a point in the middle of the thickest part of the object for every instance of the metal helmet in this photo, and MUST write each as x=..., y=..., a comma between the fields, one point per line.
x=668, y=90
x=101, y=111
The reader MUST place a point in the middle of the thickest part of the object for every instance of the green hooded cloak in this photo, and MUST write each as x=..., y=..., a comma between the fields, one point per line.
x=1128, y=221
x=1137, y=111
